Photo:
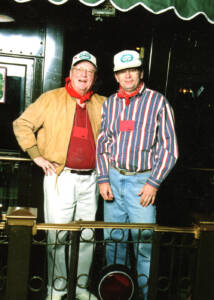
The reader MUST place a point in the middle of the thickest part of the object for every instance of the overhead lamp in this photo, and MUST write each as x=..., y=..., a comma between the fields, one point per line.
x=6, y=19
x=105, y=10
x=22, y=1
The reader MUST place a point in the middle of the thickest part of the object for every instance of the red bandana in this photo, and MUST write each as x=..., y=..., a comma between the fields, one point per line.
x=122, y=94
x=71, y=91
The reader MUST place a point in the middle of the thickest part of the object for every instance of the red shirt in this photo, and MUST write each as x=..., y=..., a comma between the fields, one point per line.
x=81, y=150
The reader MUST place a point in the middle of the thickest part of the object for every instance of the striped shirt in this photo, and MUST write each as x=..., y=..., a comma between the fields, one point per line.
x=150, y=144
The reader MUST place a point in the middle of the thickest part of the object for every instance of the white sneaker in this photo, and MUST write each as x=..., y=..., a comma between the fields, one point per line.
x=53, y=297
x=86, y=296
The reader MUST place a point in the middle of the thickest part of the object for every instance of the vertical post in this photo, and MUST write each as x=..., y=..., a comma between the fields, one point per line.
x=154, y=267
x=72, y=274
x=203, y=287
x=20, y=222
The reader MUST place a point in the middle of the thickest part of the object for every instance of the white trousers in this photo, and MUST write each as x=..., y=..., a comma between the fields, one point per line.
x=67, y=198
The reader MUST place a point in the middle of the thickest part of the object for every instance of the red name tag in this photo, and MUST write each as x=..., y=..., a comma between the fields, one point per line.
x=80, y=132
x=126, y=125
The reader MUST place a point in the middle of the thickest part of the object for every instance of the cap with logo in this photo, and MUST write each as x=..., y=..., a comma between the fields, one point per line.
x=127, y=59
x=84, y=56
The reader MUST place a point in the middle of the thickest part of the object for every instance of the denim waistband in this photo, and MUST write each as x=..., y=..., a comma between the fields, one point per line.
x=129, y=173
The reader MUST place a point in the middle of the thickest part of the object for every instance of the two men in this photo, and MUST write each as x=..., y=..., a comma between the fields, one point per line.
x=136, y=150
x=59, y=131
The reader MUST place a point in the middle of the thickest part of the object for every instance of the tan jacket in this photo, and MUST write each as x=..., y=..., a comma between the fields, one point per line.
x=44, y=128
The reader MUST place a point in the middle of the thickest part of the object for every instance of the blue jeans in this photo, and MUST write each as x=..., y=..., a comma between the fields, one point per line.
x=126, y=208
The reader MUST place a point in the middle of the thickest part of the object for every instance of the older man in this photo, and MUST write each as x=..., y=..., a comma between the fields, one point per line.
x=66, y=122
x=136, y=150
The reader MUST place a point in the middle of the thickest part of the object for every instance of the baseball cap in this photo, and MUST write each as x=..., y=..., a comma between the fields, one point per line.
x=127, y=59
x=84, y=55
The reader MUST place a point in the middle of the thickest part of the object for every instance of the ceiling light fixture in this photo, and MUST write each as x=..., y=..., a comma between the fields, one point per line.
x=104, y=10
x=6, y=19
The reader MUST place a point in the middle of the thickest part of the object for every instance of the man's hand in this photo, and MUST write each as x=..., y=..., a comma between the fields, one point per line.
x=48, y=167
x=106, y=191
x=148, y=195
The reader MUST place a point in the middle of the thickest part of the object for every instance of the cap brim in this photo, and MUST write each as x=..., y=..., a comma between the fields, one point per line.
x=78, y=61
x=119, y=68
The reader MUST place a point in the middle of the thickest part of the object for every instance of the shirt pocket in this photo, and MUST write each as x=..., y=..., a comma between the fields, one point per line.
x=146, y=136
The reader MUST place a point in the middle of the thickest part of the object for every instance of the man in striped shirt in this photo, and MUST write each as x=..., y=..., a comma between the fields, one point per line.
x=136, y=150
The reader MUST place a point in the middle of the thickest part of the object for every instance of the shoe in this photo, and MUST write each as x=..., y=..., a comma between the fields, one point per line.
x=86, y=296
x=53, y=297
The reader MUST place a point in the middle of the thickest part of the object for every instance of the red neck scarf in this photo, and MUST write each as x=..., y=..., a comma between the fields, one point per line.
x=71, y=91
x=122, y=94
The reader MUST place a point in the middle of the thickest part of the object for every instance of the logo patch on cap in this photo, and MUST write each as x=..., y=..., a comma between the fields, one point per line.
x=85, y=55
x=126, y=58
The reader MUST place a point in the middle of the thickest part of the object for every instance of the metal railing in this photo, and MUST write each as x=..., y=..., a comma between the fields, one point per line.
x=178, y=262
x=182, y=265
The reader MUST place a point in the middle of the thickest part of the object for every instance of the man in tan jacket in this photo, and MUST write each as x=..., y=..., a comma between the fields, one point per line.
x=59, y=131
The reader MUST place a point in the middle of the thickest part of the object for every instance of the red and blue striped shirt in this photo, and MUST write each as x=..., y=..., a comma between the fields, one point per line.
x=150, y=142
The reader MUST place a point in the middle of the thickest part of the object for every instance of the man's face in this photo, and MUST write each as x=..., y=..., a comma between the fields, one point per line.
x=82, y=77
x=129, y=79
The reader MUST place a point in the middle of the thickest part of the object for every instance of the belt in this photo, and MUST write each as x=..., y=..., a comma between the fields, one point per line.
x=83, y=172
x=129, y=173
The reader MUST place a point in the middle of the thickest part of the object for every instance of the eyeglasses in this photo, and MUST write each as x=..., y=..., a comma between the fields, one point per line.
x=89, y=72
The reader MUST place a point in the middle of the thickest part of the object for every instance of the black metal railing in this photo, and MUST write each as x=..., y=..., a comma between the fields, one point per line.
x=182, y=264
x=176, y=263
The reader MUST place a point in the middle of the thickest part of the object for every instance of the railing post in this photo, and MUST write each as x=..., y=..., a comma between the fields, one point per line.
x=20, y=222
x=154, y=268
x=203, y=287
x=72, y=274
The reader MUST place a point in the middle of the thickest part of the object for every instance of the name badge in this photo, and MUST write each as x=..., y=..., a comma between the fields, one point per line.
x=80, y=132
x=126, y=125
